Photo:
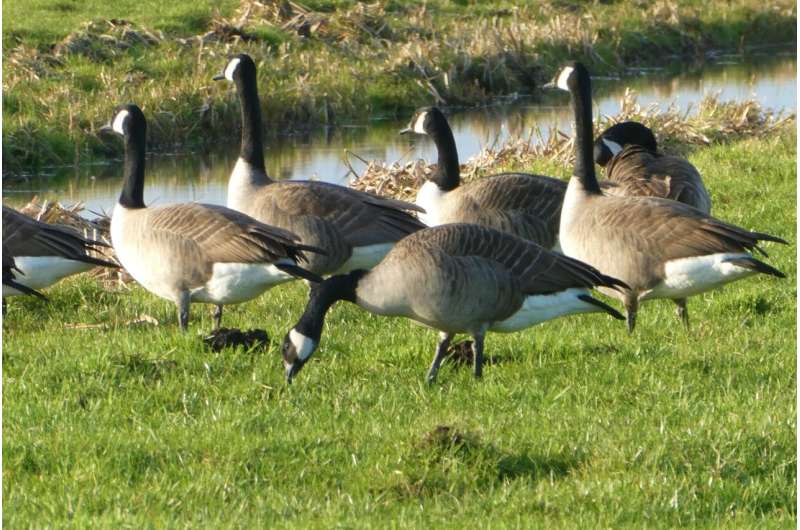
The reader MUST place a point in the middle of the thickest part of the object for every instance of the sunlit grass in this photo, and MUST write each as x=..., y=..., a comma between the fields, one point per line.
x=575, y=424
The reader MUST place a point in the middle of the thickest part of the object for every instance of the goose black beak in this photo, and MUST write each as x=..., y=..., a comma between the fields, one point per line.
x=405, y=131
x=292, y=370
x=218, y=77
x=106, y=130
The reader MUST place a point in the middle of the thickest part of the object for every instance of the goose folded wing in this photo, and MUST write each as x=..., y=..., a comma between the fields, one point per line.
x=225, y=235
x=664, y=230
x=25, y=236
x=361, y=218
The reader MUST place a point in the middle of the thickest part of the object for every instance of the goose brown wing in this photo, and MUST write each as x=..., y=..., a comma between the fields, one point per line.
x=538, y=194
x=361, y=218
x=224, y=235
x=538, y=270
x=663, y=230
x=24, y=236
x=639, y=172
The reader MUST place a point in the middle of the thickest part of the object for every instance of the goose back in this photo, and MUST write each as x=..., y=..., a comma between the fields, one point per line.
x=633, y=238
x=468, y=273
x=331, y=217
x=637, y=171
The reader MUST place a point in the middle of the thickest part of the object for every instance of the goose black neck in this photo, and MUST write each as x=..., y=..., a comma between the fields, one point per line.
x=132, y=195
x=447, y=173
x=252, y=150
x=584, y=141
x=323, y=295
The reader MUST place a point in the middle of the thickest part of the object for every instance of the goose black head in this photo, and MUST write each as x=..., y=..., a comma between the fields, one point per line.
x=427, y=120
x=618, y=136
x=127, y=120
x=569, y=77
x=239, y=67
x=302, y=340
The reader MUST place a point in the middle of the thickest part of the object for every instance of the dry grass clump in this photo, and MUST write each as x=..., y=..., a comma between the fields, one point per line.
x=677, y=133
x=360, y=23
x=102, y=40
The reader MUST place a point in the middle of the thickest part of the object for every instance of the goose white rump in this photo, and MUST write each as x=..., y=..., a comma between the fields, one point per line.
x=541, y=308
x=42, y=271
x=689, y=276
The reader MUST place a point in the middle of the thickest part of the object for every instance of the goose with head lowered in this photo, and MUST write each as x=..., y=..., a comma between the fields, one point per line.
x=194, y=252
x=354, y=228
x=457, y=278
x=526, y=205
x=43, y=253
x=659, y=247
x=634, y=167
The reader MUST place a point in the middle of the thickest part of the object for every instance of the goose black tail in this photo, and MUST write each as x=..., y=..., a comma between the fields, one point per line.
x=24, y=289
x=614, y=283
x=756, y=266
x=298, y=272
x=603, y=306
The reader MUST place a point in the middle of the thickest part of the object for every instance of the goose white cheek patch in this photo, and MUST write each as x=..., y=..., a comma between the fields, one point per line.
x=419, y=125
x=231, y=68
x=304, y=346
x=613, y=146
x=563, y=77
x=119, y=122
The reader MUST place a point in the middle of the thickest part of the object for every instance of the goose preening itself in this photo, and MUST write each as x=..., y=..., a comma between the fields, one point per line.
x=528, y=206
x=43, y=253
x=194, y=252
x=354, y=228
x=634, y=167
x=659, y=247
x=457, y=278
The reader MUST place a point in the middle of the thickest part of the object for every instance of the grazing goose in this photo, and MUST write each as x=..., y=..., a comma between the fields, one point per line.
x=10, y=284
x=659, y=247
x=194, y=252
x=354, y=228
x=528, y=206
x=43, y=253
x=634, y=167
x=457, y=278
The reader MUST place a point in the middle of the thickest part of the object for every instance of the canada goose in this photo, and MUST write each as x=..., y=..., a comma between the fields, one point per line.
x=354, y=228
x=10, y=284
x=528, y=206
x=634, y=167
x=43, y=253
x=659, y=247
x=457, y=278
x=194, y=252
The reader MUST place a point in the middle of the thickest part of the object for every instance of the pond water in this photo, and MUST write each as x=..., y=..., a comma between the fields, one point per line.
x=768, y=78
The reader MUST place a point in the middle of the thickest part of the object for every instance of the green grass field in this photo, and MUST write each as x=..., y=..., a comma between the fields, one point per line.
x=575, y=424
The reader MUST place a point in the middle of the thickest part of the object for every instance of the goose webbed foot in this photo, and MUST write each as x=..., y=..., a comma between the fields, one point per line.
x=441, y=350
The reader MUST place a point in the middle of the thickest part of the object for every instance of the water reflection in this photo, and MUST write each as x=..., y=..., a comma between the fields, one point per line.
x=770, y=79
